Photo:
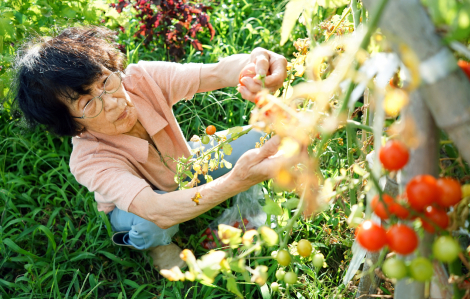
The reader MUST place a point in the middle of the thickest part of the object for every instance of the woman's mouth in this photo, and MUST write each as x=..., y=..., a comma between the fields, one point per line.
x=123, y=114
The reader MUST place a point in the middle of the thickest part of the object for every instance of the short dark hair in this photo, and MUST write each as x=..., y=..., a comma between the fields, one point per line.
x=51, y=70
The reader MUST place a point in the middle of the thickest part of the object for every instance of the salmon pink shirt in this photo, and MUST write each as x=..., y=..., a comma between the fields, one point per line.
x=116, y=168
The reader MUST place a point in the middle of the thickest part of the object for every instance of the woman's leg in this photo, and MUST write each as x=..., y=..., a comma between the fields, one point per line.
x=239, y=146
x=137, y=232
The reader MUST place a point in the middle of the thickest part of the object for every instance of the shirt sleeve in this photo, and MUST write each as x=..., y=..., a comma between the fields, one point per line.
x=109, y=175
x=176, y=81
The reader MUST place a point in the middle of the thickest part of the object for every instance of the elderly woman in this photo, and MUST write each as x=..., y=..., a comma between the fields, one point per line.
x=125, y=134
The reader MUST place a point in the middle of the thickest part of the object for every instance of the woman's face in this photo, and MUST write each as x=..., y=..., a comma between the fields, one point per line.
x=118, y=115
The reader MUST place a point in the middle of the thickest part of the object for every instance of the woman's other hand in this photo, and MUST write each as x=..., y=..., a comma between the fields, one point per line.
x=265, y=62
x=257, y=165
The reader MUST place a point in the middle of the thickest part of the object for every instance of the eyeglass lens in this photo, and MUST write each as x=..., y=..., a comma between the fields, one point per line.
x=111, y=85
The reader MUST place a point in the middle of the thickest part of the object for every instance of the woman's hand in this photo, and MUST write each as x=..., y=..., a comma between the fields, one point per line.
x=256, y=165
x=264, y=61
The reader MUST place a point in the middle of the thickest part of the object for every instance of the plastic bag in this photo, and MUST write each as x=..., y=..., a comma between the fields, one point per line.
x=246, y=213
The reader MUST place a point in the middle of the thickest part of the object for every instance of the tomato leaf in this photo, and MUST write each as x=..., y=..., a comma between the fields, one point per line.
x=227, y=148
x=293, y=10
x=272, y=207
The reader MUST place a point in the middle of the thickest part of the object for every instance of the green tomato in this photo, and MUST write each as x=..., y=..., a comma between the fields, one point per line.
x=318, y=260
x=205, y=139
x=275, y=287
x=304, y=248
x=446, y=249
x=283, y=258
x=280, y=274
x=421, y=269
x=290, y=278
x=394, y=268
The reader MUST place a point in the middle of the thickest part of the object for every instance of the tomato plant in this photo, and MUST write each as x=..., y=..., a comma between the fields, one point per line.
x=283, y=258
x=290, y=277
x=304, y=248
x=437, y=217
x=402, y=239
x=421, y=269
x=394, y=155
x=394, y=268
x=422, y=191
x=371, y=236
x=446, y=249
x=210, y=130
x=382, y=208
x=275, y=287
x=450, y=192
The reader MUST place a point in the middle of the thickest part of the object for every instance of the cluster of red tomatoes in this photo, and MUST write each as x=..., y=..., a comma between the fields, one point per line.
x=425, y=198
x=209, y=242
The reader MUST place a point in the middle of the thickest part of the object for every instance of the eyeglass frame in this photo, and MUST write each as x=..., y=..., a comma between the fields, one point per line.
x=99, y=97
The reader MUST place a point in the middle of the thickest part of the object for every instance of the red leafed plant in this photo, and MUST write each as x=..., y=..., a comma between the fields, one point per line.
x=175, y=22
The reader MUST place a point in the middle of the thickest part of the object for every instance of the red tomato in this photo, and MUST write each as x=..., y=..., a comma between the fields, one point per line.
x=382, y=208
x=236, y=224
x=400, y=211
x=450, y=192
x=402, y=239
x=210, y=237
x=207, y=231
x=436, y=216
x=465, y=66
x=247, y=71
x=371, y=236
x=394, y=155
x=210, y=130
x=422, y=191
x=245, y=221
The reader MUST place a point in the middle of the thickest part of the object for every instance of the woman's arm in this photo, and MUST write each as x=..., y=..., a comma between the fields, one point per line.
x=166, y=210
x=226, y=72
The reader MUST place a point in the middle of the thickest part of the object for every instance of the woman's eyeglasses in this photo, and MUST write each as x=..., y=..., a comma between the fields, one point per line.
x=94, y=107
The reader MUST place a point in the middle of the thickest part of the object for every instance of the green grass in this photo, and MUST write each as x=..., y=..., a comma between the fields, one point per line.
x=54, y=243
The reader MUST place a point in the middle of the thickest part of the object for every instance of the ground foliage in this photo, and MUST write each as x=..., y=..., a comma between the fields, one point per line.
x=54, y=243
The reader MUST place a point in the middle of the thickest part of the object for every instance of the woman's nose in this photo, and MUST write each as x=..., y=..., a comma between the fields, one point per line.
x=110, y=102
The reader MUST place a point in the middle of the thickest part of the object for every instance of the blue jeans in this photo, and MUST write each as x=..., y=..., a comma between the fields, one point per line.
x=142, y=234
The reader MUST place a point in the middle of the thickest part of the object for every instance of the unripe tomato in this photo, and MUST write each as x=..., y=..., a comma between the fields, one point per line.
x=402, y=239
x=248, y=71
x=422, y=191
x=275, y=287
x=283, y=257
x=304, y=248
x=436, y=216
x=280, y=274
x=205, y=139
x=450, y=192
x=394, y=155
x=371, y=236
x=395, y=268
x=382, y=208
x=210, y=130
x=421, y=269
x=318, y=260
x=290, y=277
x=446, y=249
